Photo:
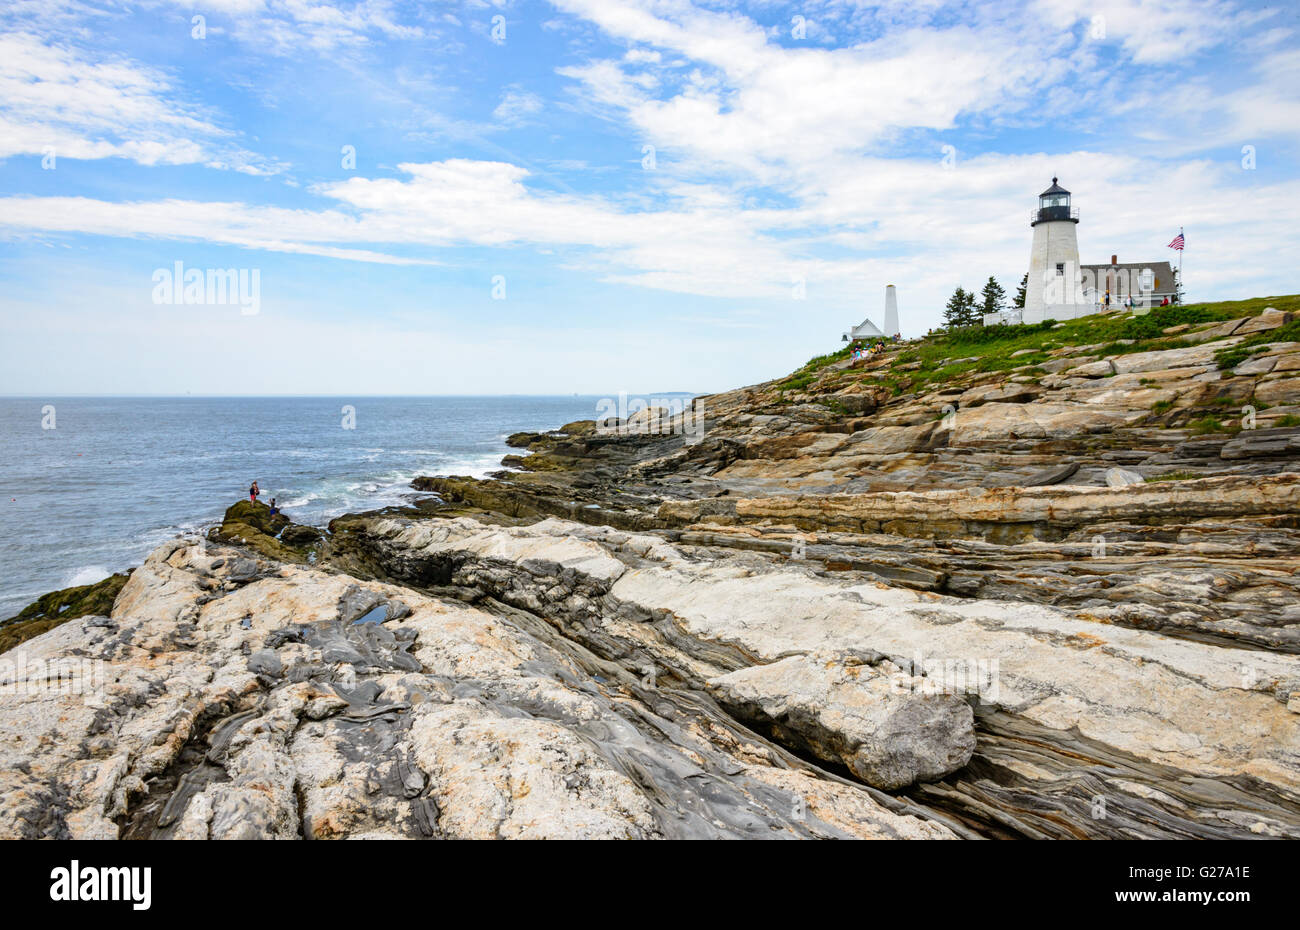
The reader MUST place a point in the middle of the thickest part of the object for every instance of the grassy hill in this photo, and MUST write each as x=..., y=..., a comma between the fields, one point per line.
x=917, y=366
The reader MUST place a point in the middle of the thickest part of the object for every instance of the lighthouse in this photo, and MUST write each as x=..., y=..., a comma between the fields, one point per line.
x=891, y=312
x=1053, y=291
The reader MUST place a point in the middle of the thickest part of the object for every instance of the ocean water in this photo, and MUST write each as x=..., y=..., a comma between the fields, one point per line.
x=115, y=477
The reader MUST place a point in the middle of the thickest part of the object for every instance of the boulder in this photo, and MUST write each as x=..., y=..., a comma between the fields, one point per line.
x=1122, y=478
x=1201, y=356
x=1256, y=365
x=996, y=422
x=858, y=403
x=1279, y=391
x=1217, y=331
x=256, y=515
x=1049, y=476
x=889, y=728
x=252, y=524
x=298, y=535
x=1102, y=369
x=1271, y=318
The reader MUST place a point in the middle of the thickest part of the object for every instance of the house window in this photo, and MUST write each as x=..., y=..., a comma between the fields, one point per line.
x=1148, y=279
x=1060, y=268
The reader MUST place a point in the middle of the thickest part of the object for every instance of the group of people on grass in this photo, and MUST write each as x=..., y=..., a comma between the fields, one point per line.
x=254, y=491
x=877, y=348
x=1128, y=303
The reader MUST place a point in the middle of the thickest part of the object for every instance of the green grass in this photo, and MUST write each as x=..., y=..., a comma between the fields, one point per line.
x=1205, y=425
x=1289, y=420
x=1153, y=325
x=1229, y=358
x=990, y=348
x=808, y=373
x=798, y=382
x=993, y=345
x=1174, y=476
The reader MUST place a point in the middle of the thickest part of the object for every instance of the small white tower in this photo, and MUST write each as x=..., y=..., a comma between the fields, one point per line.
x=891, y=312
x=1053, y=291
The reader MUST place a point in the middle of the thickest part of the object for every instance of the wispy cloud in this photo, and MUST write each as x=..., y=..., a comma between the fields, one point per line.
x=55, y=98
x=676, y=152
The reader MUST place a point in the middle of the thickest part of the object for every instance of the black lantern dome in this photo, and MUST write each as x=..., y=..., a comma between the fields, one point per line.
x=1054, y=204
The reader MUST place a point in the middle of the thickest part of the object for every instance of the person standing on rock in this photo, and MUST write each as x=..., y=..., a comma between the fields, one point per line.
x=274, y=509
x=253, y=492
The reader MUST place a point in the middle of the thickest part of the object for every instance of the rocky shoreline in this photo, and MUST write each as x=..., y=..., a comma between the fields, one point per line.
x=1041, y=585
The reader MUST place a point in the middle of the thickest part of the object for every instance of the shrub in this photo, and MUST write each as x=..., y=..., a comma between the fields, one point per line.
x=1227, y=359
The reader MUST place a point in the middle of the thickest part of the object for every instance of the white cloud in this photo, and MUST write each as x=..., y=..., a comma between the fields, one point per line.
x=55, y=96
x=286, y=26
x=904, y=221
x=1152, y=31
x=769, y=111
x=516, y=106
x=774, y=162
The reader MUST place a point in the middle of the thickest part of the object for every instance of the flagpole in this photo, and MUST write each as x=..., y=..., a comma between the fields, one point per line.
x=1181, y=283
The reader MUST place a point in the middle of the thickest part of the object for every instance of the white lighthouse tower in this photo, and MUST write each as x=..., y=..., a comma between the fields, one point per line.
x=891, y=312
x=1053, y=291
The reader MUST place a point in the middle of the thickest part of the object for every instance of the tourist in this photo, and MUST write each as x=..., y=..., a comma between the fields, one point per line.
x=274, y=509
x=1165, y=302
x=253, y=492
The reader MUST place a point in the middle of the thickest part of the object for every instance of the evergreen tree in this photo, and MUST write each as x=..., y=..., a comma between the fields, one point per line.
x=1178, y=288
x=960, y=310
x=1019, y=302
x=994, y=298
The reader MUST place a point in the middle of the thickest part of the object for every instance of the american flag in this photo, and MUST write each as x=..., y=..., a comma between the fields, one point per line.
x=1177, y=243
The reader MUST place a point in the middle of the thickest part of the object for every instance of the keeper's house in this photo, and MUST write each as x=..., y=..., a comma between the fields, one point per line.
x=1151, y=282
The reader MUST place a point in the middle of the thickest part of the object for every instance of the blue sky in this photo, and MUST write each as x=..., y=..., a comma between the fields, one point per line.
x=601, y=195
